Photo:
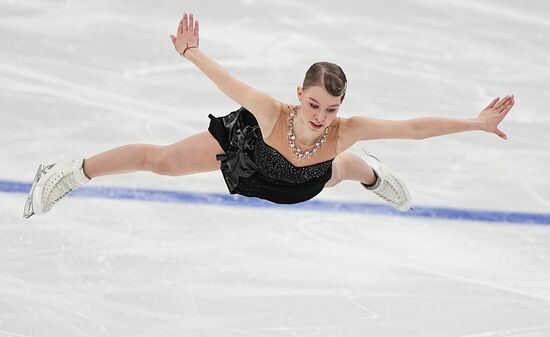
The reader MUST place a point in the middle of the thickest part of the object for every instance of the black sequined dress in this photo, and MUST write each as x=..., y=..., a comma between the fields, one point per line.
x=252, y=168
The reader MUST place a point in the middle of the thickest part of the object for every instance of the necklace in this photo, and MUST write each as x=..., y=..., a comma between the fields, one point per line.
x=296, y=151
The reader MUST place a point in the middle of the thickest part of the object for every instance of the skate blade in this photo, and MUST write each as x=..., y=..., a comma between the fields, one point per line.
x=29, y=211
x=369, y=155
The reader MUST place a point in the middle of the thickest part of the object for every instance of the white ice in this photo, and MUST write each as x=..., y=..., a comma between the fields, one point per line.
x=81, y=77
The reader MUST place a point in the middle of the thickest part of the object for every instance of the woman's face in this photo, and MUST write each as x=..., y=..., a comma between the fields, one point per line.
x=319, y=108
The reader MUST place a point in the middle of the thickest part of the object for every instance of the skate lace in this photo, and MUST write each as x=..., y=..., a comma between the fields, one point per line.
x=64, y=185
x=389, y=191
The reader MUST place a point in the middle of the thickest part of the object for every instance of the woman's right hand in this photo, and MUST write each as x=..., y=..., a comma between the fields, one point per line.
x=187, y=36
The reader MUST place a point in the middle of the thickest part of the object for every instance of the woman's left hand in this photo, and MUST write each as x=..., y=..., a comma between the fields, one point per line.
x=494, y=113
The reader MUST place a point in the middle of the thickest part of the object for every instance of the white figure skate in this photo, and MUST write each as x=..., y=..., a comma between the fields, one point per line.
x=388, y=186
x=52, y=183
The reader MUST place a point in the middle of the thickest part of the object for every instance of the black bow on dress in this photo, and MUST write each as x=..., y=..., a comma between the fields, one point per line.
x=236, y=162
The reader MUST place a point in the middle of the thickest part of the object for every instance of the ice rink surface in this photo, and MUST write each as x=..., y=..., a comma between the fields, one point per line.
x=81, y=77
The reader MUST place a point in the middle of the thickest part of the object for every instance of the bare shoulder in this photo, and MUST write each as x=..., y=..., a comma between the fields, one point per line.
x=345, y=137
x=267, y=112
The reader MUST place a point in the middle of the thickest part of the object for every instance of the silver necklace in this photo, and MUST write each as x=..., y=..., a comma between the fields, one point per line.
x=296, y=151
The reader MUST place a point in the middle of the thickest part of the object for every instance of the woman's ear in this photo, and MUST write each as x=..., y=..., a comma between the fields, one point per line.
x=299, y=92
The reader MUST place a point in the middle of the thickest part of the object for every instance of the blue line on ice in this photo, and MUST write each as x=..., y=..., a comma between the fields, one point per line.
x=317, y=205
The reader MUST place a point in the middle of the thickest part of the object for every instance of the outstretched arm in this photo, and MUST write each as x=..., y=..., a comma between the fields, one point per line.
x=186, y=42
x=364, y=128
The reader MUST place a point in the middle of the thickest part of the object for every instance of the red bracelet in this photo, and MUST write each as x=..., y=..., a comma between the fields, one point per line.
x=187, y=47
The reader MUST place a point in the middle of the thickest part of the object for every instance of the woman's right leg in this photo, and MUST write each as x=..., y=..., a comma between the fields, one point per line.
x=194, y=154
x=191, y=155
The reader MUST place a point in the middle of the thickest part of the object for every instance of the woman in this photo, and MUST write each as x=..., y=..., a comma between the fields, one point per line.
x=267, y=149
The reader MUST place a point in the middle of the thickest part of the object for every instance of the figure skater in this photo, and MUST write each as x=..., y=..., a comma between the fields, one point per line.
x=268, y=149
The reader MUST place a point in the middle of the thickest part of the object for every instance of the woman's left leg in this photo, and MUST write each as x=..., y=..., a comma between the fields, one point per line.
x=347, y=166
